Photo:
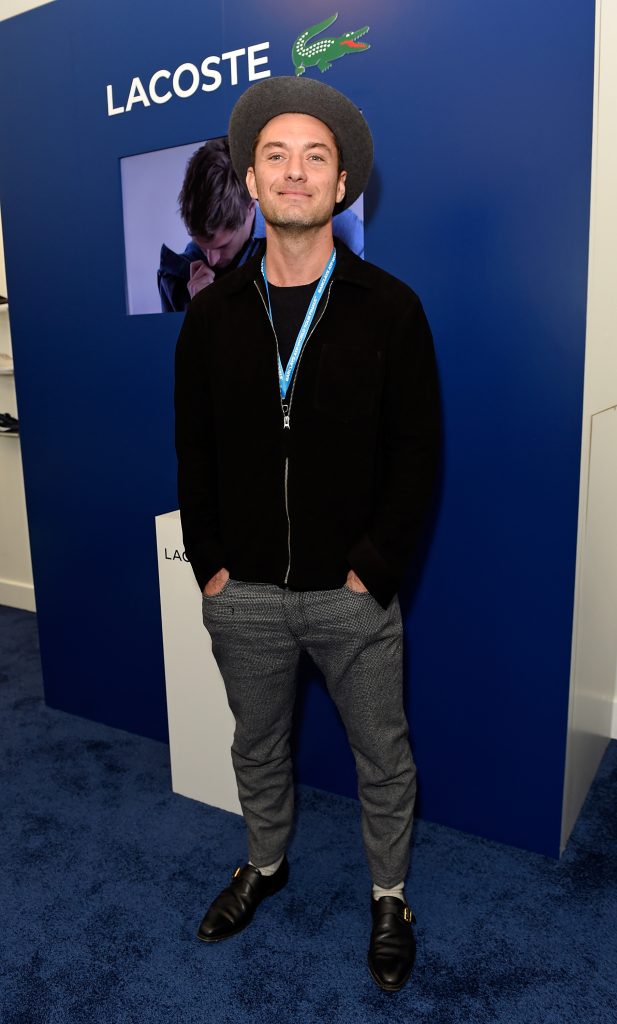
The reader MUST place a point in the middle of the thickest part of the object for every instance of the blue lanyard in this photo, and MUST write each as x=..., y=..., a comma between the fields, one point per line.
x=286, y=374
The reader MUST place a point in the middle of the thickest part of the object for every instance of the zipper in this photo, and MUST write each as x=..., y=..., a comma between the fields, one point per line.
x=286, y=409
x=288, y=522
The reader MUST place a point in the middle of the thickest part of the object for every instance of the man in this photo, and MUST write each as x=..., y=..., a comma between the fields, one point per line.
x=302, y=499
x=226, y=227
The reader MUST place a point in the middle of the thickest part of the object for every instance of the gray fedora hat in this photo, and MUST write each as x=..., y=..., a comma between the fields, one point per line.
x=291, y=95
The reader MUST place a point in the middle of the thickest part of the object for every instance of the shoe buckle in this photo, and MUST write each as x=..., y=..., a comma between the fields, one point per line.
x=236, y=872
x=407, y=915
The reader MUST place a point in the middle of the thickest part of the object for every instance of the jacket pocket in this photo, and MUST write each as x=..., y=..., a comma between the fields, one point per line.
x=348, y=381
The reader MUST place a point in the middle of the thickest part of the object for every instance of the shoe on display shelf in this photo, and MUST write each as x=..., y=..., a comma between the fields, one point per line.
x=8, y=424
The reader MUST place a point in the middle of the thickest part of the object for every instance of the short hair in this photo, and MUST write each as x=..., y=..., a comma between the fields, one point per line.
x=212, y=197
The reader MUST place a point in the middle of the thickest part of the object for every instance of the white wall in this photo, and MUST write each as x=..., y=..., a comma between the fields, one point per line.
x=16, y=586
x=592, y=716
x=8, y=8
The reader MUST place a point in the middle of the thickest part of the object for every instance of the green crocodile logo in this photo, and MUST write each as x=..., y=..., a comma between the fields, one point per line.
x=322, y=52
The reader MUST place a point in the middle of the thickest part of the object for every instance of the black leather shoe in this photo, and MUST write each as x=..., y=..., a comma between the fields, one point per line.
x=392, y=950
x=235, y=906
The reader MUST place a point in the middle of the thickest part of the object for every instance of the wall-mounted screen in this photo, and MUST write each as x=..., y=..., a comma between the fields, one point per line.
x=187, y=220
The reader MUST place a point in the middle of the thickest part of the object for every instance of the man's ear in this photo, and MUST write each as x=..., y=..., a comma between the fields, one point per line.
x=250, y=183
x=340, y=188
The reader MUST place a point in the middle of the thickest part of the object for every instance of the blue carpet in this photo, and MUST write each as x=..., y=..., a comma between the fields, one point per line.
x=106, y=873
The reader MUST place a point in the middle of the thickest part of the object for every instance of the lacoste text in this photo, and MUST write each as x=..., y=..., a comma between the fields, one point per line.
x=176, y=556
x=187, y=78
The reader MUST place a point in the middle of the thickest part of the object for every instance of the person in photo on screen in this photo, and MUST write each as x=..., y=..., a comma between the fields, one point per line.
x=225, y=225
x=308, y=437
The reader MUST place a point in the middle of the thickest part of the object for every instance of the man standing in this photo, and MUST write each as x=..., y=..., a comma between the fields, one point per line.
x=302, y=492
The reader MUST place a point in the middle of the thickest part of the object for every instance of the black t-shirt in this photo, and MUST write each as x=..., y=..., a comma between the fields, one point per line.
x=289, y=306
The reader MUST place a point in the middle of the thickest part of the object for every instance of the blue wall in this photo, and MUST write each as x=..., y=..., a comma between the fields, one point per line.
x=482, y=118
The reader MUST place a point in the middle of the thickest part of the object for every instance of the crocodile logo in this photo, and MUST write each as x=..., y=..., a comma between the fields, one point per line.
x=322, y=52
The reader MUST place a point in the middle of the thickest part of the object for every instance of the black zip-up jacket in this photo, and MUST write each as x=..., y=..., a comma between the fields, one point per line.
x=336, y=477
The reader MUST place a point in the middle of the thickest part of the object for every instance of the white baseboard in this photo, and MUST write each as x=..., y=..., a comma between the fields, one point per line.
x=17, y=595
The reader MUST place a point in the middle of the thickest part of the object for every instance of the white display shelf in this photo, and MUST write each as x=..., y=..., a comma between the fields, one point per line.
x=201, y=726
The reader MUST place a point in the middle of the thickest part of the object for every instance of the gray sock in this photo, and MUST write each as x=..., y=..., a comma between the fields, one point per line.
x=396, y=890
x=269, y=869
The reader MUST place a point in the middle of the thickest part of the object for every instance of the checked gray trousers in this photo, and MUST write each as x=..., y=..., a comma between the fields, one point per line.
x=258, y=632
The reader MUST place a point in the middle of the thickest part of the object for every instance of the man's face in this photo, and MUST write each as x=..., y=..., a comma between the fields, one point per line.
x=295, y=176
x=221, y=248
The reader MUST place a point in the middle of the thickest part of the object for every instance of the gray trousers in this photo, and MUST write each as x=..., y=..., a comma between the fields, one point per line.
x=258, y=632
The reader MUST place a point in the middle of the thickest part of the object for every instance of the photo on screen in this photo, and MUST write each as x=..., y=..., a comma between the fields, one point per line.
x=187, y=220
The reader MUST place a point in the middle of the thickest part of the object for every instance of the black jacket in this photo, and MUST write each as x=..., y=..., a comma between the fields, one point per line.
x=346, y=485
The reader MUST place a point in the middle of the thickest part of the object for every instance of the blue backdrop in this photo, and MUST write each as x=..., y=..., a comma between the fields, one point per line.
x=482, y=118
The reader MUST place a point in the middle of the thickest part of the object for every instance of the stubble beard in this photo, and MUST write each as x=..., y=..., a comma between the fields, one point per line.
x=296, y=225
x=296, y=221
